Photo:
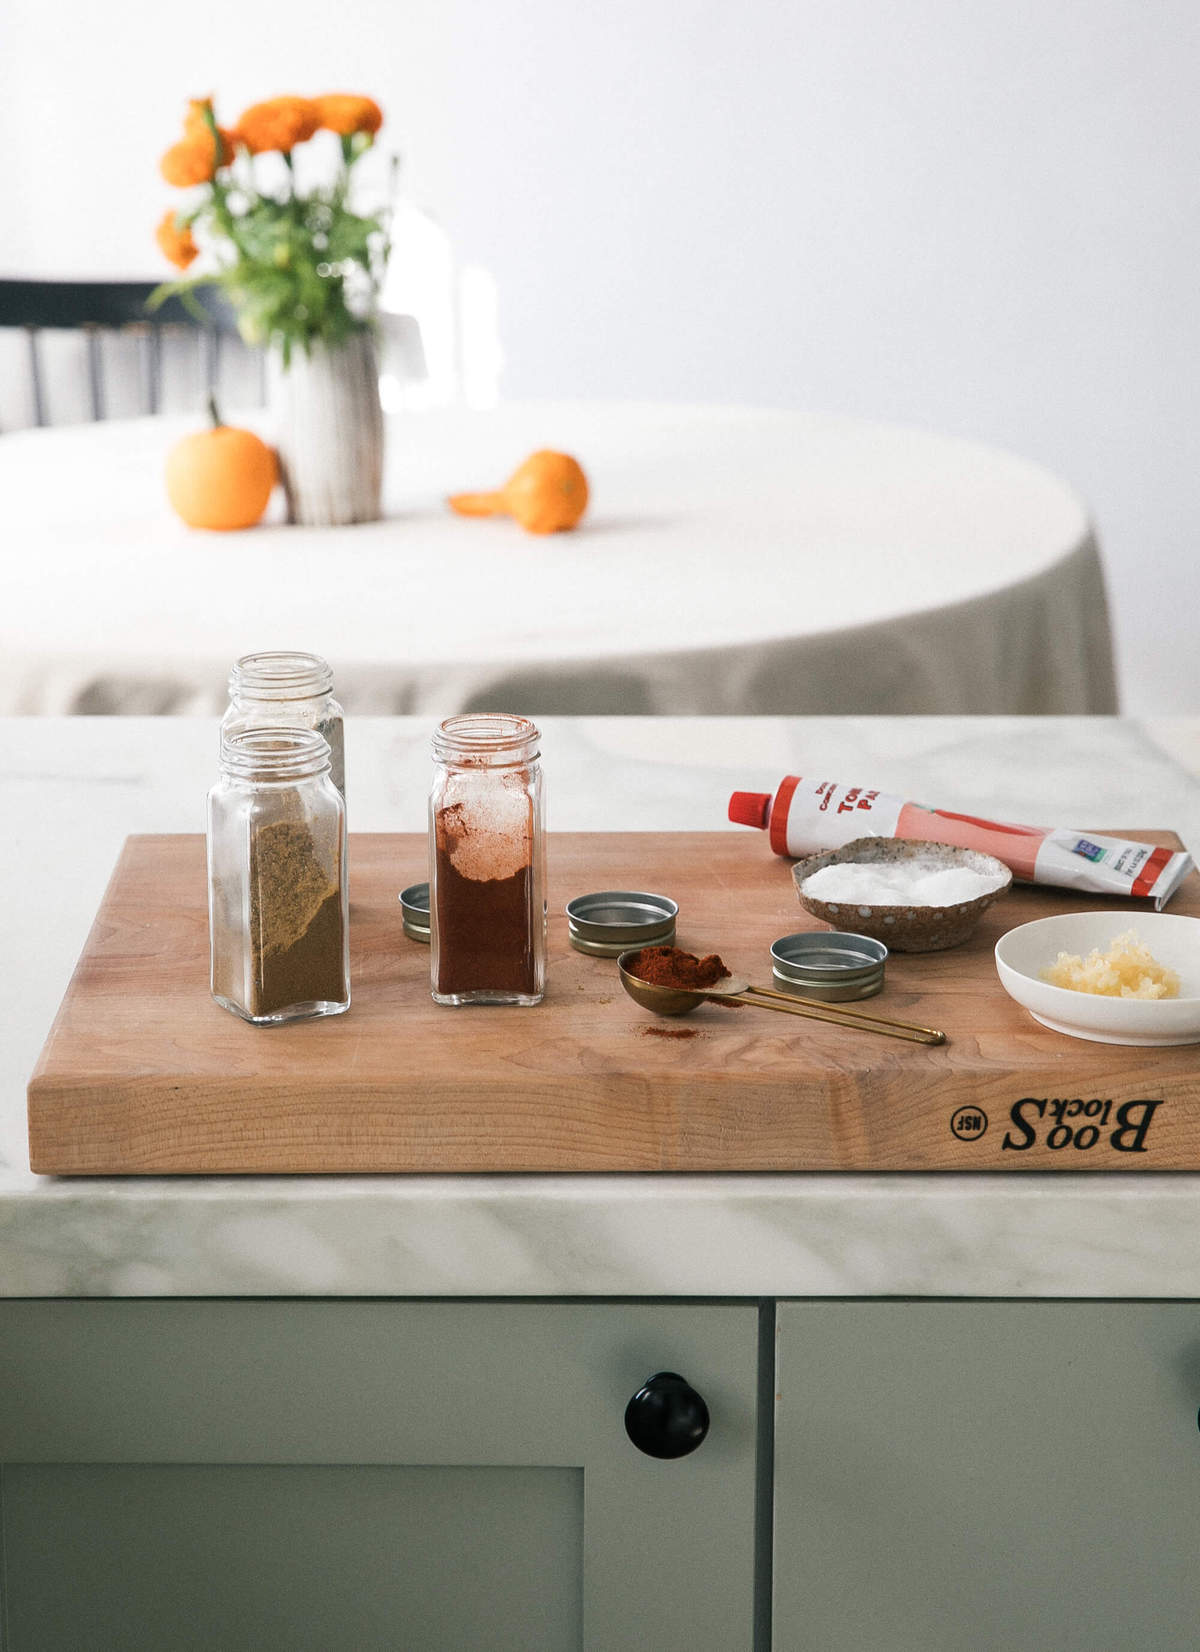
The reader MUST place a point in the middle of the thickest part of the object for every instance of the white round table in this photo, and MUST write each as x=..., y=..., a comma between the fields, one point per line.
x=732, y=561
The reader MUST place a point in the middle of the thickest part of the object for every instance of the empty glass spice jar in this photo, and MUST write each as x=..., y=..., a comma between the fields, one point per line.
x=277, y=888
x=487, y=862
x=292, y=688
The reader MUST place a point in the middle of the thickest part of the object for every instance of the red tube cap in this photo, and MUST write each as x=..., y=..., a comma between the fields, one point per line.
x=750, y=808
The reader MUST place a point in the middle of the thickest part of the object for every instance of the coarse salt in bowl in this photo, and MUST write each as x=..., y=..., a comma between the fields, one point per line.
x=913, y=896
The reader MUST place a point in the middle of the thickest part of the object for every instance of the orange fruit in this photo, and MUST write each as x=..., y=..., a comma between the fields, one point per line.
x=221, y=478
x=548, y=493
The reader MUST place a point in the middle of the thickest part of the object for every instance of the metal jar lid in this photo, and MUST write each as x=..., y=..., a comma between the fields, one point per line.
x=829, y=964
x=611, y=921
x=414, y=911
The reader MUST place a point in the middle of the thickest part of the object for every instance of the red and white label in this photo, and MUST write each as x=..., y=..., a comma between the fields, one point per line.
x=809, y=816
x=822, y=814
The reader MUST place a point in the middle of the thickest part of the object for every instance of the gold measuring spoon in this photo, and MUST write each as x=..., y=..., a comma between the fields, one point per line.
x=733, y=989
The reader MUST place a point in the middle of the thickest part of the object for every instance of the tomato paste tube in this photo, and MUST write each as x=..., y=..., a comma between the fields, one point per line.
x=808, y=816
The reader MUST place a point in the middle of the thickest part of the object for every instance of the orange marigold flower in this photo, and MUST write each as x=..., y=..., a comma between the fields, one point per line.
x=176, y=244
x=193, y=161
x=345, y=113
x=280, y=123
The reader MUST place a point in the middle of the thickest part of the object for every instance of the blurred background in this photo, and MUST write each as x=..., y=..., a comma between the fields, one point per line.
x=974, y=216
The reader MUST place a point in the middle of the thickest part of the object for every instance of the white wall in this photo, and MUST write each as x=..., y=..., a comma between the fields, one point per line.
x=976, y=215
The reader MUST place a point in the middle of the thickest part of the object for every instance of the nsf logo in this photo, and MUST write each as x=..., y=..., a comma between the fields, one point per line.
x=968, y=1123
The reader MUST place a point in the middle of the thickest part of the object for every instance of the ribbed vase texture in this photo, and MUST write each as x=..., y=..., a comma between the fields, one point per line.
x=329, y=432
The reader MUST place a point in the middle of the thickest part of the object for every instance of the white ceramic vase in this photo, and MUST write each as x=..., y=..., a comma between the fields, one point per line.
x=329, y=431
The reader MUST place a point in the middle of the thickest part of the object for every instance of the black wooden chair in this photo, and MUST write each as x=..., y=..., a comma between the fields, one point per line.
x=97, y=308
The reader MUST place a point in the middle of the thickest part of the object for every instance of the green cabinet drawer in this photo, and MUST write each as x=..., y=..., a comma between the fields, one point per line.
x=962, y=1476
x=290, y=1475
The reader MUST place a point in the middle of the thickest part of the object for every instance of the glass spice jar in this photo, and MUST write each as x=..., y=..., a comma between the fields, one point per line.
x=277, y=887
x=291, y=688
x=487, y=855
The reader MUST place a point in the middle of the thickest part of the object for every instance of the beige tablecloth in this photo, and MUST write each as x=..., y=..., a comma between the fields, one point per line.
x=732, y=561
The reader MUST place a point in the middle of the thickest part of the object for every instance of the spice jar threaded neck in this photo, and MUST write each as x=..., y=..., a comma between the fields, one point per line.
x=486, y=740
x=284, y=674
x=274, y=753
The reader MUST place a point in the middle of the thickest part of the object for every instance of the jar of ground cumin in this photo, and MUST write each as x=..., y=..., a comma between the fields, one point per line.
x=277, y=892
x=487, y=862
x=291, y=688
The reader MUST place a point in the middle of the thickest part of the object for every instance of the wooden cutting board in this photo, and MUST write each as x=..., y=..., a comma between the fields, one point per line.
x=142, y=1073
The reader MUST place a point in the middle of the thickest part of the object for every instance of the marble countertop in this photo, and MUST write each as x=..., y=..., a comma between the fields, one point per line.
x=74, y=788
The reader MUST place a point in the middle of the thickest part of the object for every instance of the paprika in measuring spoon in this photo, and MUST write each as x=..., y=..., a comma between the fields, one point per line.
x=670, y=966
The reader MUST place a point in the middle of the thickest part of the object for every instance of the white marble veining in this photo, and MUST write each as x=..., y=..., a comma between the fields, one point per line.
x=72, y=789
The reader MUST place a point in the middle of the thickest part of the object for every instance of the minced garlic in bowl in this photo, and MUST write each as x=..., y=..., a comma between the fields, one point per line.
x=1127, y=970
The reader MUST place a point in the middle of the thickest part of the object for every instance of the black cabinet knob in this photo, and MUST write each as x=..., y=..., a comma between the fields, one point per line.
x=666, y=1417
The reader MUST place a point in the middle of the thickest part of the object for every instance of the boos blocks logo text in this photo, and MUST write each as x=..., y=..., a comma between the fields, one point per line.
x=1072, y=1123
x=1079, y=1124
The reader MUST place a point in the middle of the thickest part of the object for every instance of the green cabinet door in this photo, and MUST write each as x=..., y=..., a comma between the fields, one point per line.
x=987, y=1477
x=432, y=1477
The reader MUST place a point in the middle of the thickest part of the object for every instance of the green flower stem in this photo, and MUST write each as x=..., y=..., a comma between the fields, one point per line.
x=210, y=120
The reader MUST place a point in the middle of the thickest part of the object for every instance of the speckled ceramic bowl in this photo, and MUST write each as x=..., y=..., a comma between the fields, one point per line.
x=904, y=928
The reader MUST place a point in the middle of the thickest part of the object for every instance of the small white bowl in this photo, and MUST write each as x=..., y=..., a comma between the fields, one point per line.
x=1023, y=953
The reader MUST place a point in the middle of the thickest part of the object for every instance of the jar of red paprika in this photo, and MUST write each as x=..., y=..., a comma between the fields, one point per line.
x=487, y=897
